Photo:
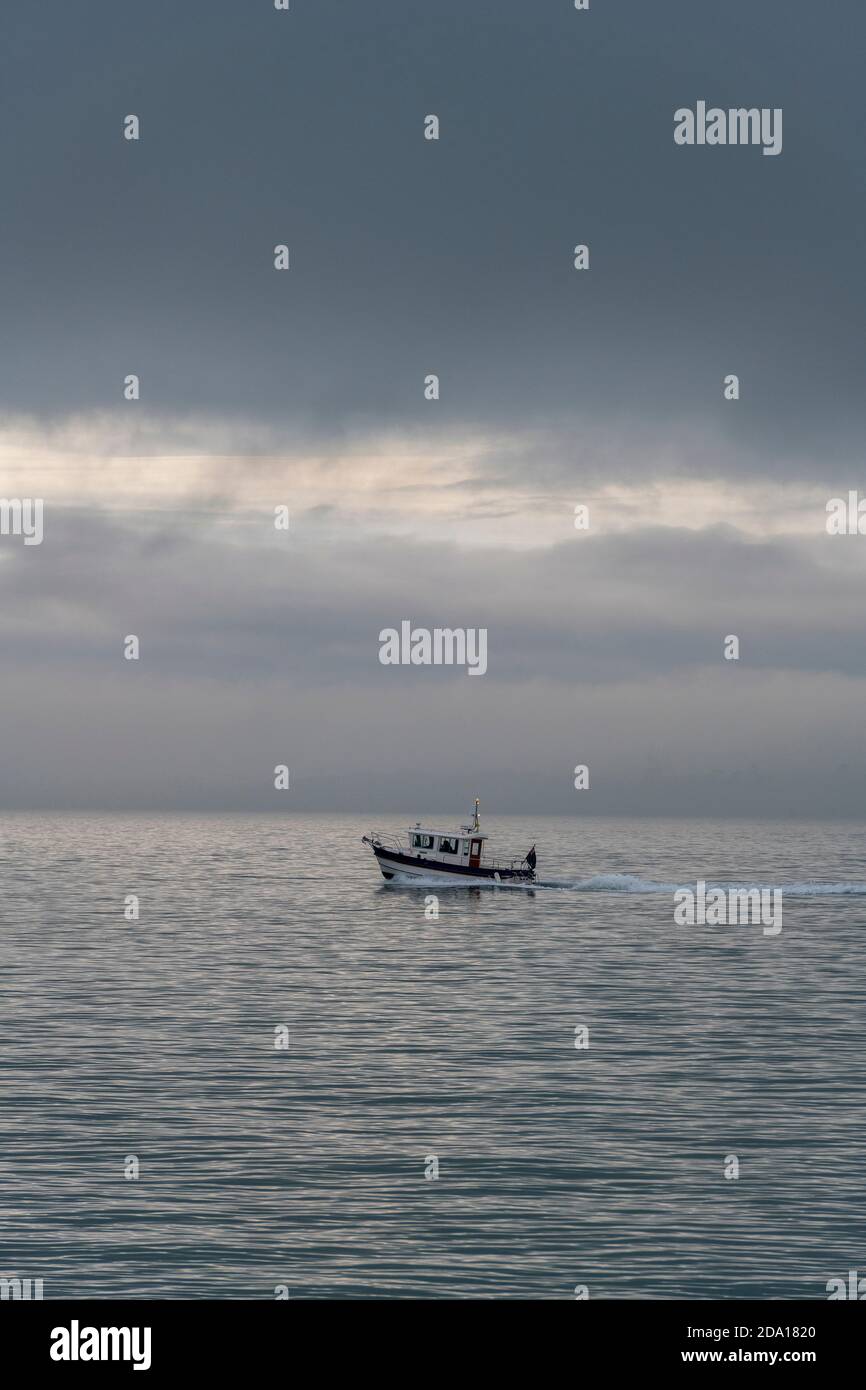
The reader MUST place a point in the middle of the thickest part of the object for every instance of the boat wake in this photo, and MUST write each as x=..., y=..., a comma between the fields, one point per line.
x=631, y=883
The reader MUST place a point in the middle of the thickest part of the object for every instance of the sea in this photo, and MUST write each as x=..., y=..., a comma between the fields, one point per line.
x=237, y=1064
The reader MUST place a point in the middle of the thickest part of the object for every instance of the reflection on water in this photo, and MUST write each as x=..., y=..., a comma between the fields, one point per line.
x=412, y=1037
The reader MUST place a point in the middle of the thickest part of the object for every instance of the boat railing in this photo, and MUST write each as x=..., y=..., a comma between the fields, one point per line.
x=488, y=863
x=386, y=841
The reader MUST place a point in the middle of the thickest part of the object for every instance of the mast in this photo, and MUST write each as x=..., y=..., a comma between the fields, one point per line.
x=477, y=826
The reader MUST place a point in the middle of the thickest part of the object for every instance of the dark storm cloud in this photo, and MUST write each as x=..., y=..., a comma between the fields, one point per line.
x=410, y=257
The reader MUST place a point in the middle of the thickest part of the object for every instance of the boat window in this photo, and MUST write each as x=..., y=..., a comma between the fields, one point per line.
x=447, y=845
x=422, y=841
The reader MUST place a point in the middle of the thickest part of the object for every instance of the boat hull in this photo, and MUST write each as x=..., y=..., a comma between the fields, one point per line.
x=413, y=866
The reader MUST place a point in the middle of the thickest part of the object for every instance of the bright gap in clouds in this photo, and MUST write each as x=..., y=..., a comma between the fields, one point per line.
x=475, y=489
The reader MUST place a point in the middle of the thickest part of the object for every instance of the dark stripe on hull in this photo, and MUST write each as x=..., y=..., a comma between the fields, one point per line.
x=436, y=865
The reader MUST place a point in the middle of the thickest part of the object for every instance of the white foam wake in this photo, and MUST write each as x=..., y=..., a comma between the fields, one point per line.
x=632, y=883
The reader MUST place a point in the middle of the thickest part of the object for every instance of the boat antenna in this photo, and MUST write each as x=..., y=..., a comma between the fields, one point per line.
x=477, y=825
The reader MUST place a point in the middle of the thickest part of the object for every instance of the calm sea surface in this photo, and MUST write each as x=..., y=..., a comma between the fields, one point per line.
x=411, y=1038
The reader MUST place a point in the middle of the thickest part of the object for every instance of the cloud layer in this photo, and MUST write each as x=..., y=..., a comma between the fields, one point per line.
x=558, y=388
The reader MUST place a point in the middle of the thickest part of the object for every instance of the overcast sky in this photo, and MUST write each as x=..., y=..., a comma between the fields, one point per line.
x=305, y=388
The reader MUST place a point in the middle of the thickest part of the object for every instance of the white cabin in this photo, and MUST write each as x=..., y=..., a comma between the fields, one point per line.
x=446, y=847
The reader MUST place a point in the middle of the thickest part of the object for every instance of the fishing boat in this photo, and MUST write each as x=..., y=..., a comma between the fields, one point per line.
x=457, y=857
